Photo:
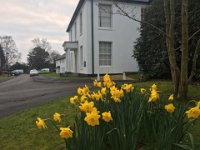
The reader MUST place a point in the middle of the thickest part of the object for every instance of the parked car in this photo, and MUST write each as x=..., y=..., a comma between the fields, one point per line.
x=33, y=72
x=44, y=70
x=17, y=72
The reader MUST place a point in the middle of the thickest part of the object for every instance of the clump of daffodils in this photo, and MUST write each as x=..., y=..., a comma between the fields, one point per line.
x=96, y=108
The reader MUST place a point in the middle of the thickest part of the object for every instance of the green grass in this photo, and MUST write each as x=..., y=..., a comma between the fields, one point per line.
x=55, y=76
x=4, y=77
x=19, y=132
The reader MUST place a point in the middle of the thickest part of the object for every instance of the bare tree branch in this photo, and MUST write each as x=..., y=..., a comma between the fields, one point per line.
x=194, y=61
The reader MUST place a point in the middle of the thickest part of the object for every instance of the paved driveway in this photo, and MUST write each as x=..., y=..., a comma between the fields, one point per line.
x=22, y=92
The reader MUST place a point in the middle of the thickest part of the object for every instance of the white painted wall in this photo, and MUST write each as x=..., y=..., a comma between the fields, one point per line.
x=82, y=38
x=62, y=64
x=123, y=34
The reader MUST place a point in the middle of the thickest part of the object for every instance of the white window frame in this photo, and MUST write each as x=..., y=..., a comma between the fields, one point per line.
x=101, y=17
x=81, y=57
x=71, y=35
x=100, y=53
x=75, y=31
x=81, y=23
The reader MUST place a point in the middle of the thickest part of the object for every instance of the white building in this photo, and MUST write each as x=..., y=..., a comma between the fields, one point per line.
x=101, y=41
x=61, y=64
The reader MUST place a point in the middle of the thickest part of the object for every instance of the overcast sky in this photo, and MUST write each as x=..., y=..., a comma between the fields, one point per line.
x=25, y=20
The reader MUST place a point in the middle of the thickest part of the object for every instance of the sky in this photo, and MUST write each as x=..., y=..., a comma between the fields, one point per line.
x=25, y=20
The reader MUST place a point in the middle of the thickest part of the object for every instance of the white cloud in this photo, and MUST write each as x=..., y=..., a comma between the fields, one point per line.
x=29, y=19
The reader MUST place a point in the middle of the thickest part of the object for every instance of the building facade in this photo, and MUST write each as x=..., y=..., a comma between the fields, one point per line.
x=100, y=39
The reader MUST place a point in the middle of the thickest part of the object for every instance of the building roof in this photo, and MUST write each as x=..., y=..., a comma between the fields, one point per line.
x=61, y=57
x=81, y=2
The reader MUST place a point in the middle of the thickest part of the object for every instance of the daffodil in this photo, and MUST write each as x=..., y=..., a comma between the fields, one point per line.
x=74, y=100
x=56, y=117
x=98, y=96
x=154, y=87
x=170, y=108
x=103, y=91
x=128, y=87
x=92, y=118
x=142, y=90
x=95, y=82
x=87, y=106
x=66, y=133
x=154, y=96
x=83, y=98
x=85, y=90
x=106, y=116
x=40, y=123
x=171, y=97
x=193, y=113
x=79, y=91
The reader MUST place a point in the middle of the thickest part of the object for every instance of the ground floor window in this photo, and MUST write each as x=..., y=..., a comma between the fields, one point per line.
x=105, y=53
x=81, y=56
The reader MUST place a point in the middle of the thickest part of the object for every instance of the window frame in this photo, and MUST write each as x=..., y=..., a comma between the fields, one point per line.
x=81, y=23
x=111, y=54
x=81, y=57
x=100, y=17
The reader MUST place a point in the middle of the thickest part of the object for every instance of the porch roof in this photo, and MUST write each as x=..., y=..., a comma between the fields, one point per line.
x=70, y=45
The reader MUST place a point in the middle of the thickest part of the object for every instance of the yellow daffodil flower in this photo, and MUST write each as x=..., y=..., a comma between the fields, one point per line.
x=103, y=91
x=74, y=100
x=128, y=87
x=170, y=108
x=171, y=97
x=87, y=106
x=66, y=133
x=40, y=123
x=56, y=117
x=142, y=90
x=92, y=118
x=154, y=96
x=106, y=116
x=193, y=113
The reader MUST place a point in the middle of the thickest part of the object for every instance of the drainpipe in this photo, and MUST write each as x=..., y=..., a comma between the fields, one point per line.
x=92, y=23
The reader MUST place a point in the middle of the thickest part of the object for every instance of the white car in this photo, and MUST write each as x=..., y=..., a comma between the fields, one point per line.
x=34, y=72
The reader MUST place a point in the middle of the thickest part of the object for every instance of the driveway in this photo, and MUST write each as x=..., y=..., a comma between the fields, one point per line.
x=22, y=92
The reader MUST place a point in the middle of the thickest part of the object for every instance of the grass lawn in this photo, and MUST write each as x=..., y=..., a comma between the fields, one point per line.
x=55, y=76
x=18, y=131
x=4, y=77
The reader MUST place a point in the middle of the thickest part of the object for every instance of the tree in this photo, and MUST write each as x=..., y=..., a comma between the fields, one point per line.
x=42, y=43
x=18, y=65
x=38, y=58
x=150, y=49
x=180, y=73
x=52, y=59
x=2, y=59
x=10, y=50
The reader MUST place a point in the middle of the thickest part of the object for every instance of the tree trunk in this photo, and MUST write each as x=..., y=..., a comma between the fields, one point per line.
x=170, y=23
x=183, y=88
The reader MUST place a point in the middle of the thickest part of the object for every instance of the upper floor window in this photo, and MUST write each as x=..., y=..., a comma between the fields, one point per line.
x=81, y=23
x=105, y=15
x=105, y=53
x=75, y=30
x=71, y=35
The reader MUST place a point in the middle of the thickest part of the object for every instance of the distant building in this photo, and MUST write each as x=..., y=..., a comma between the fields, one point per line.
x=61, y=64
x=100, y=41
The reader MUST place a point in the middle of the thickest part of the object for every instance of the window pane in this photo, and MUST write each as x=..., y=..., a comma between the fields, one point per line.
x=104, y=15
x=105, y=55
